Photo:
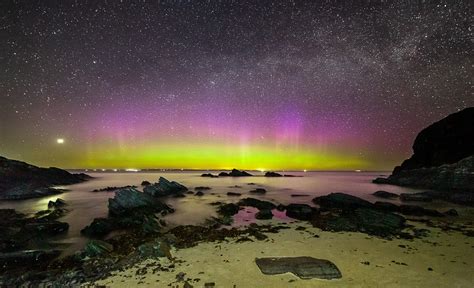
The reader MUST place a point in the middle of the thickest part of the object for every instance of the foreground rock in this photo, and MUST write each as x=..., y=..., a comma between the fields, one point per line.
x=370, y=221
x=20, y=236
x=300, y=211
x=19, y=180
x=164, y=188
x=129, y=199
x=235, y=173
x=303, y=267
x=443, y=157
x=129, y=209
x=342, y=201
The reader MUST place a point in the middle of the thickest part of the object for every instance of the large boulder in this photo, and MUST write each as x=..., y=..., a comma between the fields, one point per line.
x=300, y=211
x=19, y=180
x=341, y=201
x=164, y=188
x=129, y=199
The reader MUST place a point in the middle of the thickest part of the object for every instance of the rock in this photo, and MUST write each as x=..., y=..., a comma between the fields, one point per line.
x=154, y=249
x=264, y=214
x=342, y=201
x=452, y=212
x=386, y=206
x=164, y=188
x=113, y=188
x=19, y=180
x=385, y=194
x=443, y=157
x=56, y=204
x=201, y=188
x=235, y=173
x=129, y=199
x=199, y=193
x=299, y=195
x=415, y=197
x=259, y=204
x=30, y=257
x=364, y=220
x=228, y=209
x=272, y=174
x=97, y=247
x=258, y=191
x=299, y=211
x=414, y=210
x=99, y=227
x=233, y=194
x=303, y=267
x=47, y=228
x=209, y=175
x=145, y=183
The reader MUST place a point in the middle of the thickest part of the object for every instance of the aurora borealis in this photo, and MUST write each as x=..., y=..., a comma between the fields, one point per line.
x=220, y=84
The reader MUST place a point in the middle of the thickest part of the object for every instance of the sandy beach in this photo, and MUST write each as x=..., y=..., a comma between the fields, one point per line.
x=441, y=260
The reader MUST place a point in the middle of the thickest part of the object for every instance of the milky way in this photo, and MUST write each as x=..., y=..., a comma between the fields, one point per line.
x=221, y=84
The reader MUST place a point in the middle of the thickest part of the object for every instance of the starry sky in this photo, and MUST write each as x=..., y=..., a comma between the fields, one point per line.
x=330, y=85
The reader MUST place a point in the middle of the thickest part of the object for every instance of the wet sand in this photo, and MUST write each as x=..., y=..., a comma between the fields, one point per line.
x=364, y=261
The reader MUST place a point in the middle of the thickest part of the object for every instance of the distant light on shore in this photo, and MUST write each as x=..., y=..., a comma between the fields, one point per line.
x=60, y=141
x=132, y=170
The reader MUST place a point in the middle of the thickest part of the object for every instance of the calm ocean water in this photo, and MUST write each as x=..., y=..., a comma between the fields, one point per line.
x=85, y=205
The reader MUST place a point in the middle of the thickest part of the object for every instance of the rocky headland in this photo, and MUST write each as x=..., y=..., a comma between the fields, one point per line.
x=442, y=160
x=19, y=180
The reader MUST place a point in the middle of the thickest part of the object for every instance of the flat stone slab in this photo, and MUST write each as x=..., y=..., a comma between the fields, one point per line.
x=303, y=267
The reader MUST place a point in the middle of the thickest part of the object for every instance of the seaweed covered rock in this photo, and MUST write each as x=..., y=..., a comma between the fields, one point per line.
x=364, y=220
x=300, y=211
x=264, y=214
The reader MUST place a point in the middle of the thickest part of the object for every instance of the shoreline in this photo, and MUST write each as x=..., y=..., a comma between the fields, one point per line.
x=364, y=261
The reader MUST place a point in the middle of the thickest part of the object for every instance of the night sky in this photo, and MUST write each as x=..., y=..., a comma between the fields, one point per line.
x=222, y=84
